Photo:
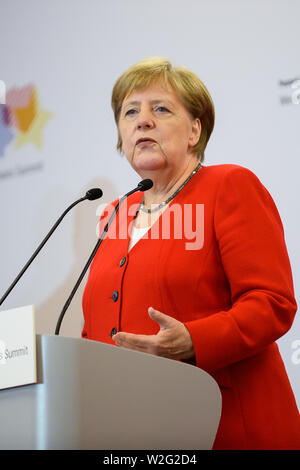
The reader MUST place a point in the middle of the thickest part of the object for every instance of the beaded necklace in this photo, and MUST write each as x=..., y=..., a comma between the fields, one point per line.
x=164, y=203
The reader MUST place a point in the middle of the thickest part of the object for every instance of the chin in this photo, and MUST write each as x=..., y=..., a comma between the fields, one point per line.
x=147, y=168
x=149, y=163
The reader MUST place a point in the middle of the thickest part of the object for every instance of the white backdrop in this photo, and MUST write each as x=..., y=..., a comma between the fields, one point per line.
x=71, y=52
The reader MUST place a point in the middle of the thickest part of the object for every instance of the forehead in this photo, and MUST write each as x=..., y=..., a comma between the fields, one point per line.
x=153, y=93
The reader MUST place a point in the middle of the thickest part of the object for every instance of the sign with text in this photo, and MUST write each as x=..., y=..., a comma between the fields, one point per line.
x=17, y=347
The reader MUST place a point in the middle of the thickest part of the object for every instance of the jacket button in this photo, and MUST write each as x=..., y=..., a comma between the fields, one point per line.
x=123, y=261
x=115, y=295
x=113, y=332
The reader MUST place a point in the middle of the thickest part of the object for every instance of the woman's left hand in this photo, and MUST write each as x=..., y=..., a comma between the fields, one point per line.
x=172, y=341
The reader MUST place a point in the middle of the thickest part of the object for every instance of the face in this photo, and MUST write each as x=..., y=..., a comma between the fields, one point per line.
x=157, y=131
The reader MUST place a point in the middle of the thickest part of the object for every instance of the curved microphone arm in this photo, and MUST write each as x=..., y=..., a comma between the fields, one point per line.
x=91, y=194
x=142, y=186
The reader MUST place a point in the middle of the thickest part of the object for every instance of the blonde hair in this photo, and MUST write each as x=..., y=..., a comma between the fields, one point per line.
x=190, y=89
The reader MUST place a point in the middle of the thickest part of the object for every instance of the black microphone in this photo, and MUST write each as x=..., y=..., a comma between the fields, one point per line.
x=91, y=194
x=143, y=185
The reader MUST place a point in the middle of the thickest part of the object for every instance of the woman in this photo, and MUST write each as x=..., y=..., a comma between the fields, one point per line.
x=218, y=300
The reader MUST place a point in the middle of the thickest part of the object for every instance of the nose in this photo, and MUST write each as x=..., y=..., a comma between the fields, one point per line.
x=145, y=124
x=145, y=121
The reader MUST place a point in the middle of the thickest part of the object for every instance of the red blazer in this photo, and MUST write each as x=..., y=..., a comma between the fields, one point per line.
x=232, y=288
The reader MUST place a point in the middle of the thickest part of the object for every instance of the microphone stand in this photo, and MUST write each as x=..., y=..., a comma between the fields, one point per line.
x=92, y=194
x=141, y=187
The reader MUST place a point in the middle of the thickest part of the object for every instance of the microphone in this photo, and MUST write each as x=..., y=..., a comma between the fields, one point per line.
x=143, y=185
x=91, y=194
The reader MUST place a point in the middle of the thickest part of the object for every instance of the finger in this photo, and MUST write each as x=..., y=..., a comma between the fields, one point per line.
x=126, y=345
x=149, y=346
x=131, y=340
x=165, y=321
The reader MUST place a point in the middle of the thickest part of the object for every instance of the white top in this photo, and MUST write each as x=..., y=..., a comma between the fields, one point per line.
x=136, y=235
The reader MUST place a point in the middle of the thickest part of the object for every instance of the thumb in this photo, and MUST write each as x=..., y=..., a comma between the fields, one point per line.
x=164, y=321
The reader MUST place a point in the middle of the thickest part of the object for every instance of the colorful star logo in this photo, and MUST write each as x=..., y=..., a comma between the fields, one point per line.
x=23, y=117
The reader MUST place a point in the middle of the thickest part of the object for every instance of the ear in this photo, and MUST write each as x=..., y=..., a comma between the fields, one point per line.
x=195, y=132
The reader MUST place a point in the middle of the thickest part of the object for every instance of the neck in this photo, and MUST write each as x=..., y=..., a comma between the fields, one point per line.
x=166, y=182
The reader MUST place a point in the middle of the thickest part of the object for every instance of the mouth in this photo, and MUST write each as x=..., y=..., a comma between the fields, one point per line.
x=145, y=140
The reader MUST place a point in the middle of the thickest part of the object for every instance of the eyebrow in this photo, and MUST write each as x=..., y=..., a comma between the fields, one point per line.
x=136, y=102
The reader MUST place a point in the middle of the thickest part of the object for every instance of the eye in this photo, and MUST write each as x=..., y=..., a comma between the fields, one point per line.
x=161, y=109
x=130, y=112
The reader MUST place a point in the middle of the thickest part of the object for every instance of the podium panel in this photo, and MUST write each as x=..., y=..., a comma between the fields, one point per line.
x=92, y=395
